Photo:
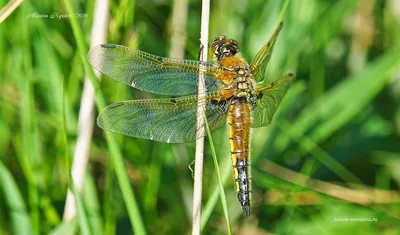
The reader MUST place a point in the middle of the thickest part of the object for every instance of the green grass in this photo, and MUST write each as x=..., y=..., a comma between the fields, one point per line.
x=220, y=181
x=120, y=170
x=339, y=122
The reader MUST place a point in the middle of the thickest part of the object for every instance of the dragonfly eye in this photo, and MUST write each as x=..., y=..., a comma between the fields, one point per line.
x=215, y=46
x=222, y=47
x=234, y=45
x=214, y=51
x=219, y=39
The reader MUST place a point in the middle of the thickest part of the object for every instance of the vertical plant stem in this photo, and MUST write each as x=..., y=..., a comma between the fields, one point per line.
x=120, y=170
x=83, y=220
x=86, y=113
x=198, y=172
x=178, y=29
x=29, y=128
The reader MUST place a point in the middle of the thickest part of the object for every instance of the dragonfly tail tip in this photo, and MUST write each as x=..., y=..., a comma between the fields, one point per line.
x=246, y=211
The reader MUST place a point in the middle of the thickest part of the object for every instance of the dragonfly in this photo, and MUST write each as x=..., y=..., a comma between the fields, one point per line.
x=236, y=94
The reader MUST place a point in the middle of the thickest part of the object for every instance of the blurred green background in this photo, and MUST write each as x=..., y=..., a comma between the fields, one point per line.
x=339, y=124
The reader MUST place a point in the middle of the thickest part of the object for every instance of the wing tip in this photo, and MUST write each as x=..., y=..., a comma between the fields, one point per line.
x=99, y=122
x=100, y=119
x=94, y=49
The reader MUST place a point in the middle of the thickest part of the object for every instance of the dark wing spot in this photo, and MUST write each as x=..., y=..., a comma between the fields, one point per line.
x=111, y=106
x=172, y=101
x=160, y=59
x=109, y=46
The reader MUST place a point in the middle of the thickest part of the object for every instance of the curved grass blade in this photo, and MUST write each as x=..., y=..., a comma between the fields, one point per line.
x=333, y=110
x=19, y=215
x=212, y=200
x=220, y=182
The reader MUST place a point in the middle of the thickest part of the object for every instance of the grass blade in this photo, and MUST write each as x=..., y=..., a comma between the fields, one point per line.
x=82, y=218
x=19, y=215
x=212, y=200
x=220, y=181
x=334, y=109
x=117, y=158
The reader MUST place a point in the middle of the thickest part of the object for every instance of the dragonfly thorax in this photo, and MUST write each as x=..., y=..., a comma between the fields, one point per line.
x=243, y=83
x=240, y=83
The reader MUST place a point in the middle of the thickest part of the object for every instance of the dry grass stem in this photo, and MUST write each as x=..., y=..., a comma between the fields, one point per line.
x=86, y=112
x=198, y=171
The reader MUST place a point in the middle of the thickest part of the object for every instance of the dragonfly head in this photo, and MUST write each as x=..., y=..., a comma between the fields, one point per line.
x=222, y=47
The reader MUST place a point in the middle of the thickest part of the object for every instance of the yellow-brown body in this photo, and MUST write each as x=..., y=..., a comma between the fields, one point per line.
x=239, y=87
x=239, y=121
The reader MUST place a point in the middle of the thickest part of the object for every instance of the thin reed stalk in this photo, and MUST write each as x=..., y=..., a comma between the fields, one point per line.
x=116, y=155
x=198, y=170
x=86, y=113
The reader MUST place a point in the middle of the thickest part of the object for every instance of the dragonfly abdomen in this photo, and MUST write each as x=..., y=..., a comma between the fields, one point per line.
x=239, y=136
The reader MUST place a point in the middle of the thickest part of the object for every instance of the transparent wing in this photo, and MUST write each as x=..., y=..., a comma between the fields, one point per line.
x=164, y=120
x=259, y=64
x=269, y=98
x=152, y=73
